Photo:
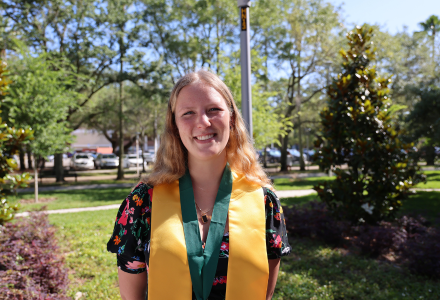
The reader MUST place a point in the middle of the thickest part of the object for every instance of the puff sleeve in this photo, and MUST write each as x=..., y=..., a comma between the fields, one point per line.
x=132, y=230
x=276, y=233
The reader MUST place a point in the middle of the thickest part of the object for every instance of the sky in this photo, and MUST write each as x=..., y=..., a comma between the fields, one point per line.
x=392, y=15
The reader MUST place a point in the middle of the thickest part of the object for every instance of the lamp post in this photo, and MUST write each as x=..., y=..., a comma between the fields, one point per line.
x=137, y=153
x=245, y=59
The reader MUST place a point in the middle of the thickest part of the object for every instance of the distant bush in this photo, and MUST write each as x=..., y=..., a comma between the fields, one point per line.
x=409, y=239
x=30, y=266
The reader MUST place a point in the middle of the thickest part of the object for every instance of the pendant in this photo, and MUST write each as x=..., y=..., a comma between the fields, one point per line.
x=204, y=219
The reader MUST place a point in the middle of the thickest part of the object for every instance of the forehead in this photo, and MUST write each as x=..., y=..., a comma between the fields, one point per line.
x=199, y=94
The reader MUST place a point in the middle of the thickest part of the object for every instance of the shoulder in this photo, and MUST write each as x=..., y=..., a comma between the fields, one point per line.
x=142, y=191
x=270, y=198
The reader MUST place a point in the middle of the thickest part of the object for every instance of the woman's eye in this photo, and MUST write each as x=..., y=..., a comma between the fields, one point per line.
x=187, y=113
x=214, y=109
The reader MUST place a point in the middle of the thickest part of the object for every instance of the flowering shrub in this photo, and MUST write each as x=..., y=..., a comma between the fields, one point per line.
x=313, y=220
x=409, y=239
x=376, y=240
x=30, y=267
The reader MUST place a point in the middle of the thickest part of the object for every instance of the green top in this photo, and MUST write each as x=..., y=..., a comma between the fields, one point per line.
x=203, y=264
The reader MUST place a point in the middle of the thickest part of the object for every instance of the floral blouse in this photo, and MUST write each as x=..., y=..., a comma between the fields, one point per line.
x=131, y=236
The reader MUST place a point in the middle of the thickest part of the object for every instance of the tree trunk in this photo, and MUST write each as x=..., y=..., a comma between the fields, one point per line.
x=36, y=184
x=430, y=155
x=21, y=155
x=58, y=167
x=265, y=157
x=29, y=157
x=284, y=144
x=121, y=131
x=302, y=166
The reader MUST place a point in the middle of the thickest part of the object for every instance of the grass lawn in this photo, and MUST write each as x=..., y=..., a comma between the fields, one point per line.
x=73, y=198
x=316, y=271
x=312, y=271
x=83, y=239
x=282, y=184
x=432, y=182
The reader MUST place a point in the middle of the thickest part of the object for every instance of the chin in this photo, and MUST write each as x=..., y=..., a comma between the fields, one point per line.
x=208, y=155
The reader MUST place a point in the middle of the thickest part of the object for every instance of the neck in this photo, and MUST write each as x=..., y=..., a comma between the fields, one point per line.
x=207, y=173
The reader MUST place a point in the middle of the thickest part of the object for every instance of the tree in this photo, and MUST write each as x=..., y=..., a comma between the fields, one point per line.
x=424, y=120
x=39, y=98
x=431, y=26
x=302, y=48
x=358, y=130
x=11, y=140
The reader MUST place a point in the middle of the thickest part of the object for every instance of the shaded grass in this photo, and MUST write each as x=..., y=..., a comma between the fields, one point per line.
x=83, y=238
x=316, y=271
x=74, y=198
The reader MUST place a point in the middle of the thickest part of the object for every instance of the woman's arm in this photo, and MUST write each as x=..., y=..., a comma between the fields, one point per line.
x=274, y=267
x=132, y=286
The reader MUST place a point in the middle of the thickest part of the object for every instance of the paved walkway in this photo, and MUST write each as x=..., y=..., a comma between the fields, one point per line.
x=281, y=194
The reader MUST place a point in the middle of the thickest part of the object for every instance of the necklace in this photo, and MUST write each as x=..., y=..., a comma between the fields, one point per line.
x=203, y=214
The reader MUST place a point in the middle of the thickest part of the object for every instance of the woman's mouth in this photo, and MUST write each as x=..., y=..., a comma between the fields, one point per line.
x=204, y=137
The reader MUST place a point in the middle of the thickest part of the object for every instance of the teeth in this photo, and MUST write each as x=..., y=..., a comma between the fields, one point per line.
x=204, y=137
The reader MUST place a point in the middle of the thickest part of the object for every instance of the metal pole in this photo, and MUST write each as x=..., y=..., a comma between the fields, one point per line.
x=245, y=58
x=137, y=154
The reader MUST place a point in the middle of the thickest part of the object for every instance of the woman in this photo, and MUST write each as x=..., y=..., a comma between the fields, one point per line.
x=216, y=230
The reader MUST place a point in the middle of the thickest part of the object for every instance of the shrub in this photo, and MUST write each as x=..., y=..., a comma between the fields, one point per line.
x=381, y=239
x=358, y=129
x=409, y=239
x=30, y=267
x=11, y=139
x=313, y=220
x=421, y=252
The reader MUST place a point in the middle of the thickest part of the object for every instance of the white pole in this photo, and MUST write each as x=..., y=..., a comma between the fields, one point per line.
x=137, y=154
x=36, y=182
x=245, y=58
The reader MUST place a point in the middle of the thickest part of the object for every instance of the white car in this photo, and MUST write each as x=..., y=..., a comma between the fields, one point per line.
x=150, y=157
x=130, y=160
x=81, y=161
x=106, y=161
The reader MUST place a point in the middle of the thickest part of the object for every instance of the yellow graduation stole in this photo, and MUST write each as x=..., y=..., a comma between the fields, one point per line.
x=248, y=272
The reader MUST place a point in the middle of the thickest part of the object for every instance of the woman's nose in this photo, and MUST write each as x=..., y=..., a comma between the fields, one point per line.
x=203, y=120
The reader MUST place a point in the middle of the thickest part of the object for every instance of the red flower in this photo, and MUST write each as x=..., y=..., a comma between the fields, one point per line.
x=117, y=240
x=124, y=217
x=131, y=220
x=277, y=241
x=278, y=216
x=224, y=246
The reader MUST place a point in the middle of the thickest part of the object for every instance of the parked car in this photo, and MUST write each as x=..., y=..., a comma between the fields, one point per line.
x=296, y=155
x=106, y=161
x=81, y=161
x=150, y=157
x=273, y=155
x=130, y=160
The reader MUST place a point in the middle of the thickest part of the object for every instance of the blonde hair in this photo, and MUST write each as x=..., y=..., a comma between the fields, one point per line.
x=172, y=156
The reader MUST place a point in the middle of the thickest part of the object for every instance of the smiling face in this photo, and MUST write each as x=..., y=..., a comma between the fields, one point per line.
x=202, y=119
